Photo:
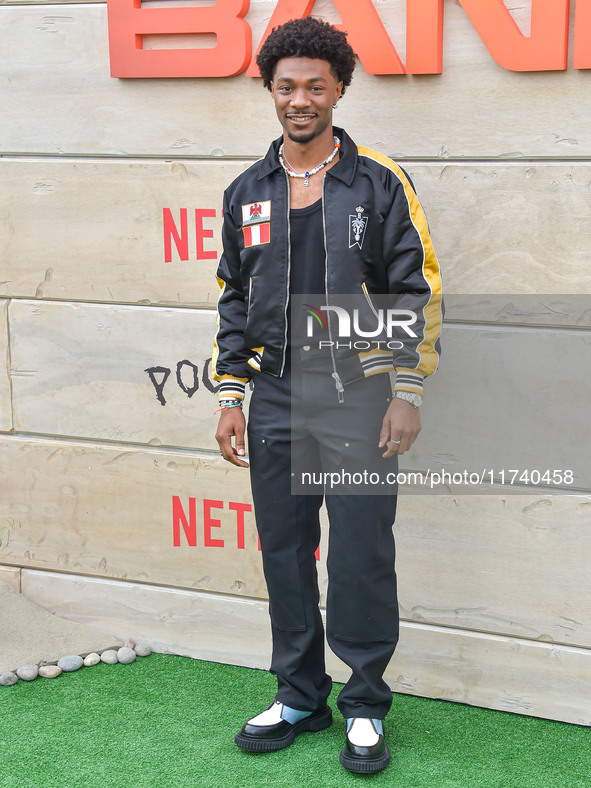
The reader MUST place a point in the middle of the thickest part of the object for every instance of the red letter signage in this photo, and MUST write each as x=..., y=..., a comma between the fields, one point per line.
x=179, y=518
x=180, y=237
x=544, y=50
x=240, y=508
x=201, y=233
x=209, y=522
x=424, y=36
x=362, y=24
x=181, y=240
x=582, y=55
x=129, y=22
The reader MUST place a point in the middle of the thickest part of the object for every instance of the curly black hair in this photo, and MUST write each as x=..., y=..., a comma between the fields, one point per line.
x=309, y=37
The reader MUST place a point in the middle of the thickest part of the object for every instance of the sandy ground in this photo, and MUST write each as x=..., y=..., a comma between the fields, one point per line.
x=29, y=634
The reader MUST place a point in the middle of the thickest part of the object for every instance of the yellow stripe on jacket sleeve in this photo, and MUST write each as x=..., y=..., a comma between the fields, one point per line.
x=216, y=351
x=433, y=315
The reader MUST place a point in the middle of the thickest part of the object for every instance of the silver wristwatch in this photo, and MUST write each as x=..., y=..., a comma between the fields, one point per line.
x=415, y=399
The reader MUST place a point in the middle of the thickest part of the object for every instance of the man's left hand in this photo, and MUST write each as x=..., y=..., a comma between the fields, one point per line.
x=400, y=427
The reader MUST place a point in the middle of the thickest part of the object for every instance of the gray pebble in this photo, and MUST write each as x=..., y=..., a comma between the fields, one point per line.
x=129, y=643
x=8, y=679
x=92, y=659
x=70, y=663
x=142, y=650
x=126, y=655
x=49, y=671
x=28, y=672
x=109, y=656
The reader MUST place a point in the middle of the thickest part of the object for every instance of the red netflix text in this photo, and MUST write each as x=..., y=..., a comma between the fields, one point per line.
x=185, y=523
x=178, y=234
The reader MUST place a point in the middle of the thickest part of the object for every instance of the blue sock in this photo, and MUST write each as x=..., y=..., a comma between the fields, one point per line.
x=379, y=725
x=293, y=715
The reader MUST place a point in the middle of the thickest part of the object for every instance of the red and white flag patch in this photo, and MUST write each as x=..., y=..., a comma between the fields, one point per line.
x=257, y=234
x=256, y=212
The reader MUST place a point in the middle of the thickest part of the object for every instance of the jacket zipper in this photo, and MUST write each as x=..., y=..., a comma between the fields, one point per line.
x=337, y=379
x=288, y=276
x=249, y=296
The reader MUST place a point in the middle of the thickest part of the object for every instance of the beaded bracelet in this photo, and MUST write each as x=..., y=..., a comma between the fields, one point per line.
x=226, y=404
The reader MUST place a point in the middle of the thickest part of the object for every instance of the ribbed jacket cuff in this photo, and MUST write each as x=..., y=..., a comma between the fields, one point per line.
x=375, y=361
x=232, y=388
x=408, y=380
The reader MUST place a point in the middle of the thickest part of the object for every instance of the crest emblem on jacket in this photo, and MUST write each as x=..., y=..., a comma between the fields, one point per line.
x=357, y=227
x=256, y=212
x=256, y=223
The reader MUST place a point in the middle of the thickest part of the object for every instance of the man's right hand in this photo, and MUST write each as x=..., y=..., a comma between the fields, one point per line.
x=232, y=424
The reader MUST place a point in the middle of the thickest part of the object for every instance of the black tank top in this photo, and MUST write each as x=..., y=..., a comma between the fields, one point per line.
x=307, y=263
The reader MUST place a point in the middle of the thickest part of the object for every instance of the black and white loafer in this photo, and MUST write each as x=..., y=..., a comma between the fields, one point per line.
x=269, y=731
x=365, y=750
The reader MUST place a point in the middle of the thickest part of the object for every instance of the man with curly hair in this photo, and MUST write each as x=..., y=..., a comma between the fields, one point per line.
x=321, y=215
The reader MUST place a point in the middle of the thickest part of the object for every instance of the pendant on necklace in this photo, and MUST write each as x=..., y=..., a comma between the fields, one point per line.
x=306, y=181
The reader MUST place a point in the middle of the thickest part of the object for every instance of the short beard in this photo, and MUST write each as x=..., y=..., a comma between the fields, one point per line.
x=302, y=140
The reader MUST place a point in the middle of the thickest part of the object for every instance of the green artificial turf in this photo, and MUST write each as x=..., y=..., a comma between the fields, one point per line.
x=170, y=721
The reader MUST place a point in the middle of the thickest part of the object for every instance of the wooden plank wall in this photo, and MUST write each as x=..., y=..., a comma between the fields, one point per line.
x=124, y=515
x=5, y=395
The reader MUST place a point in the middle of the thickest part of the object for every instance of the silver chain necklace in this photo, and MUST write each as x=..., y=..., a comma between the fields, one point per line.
x=307, y=175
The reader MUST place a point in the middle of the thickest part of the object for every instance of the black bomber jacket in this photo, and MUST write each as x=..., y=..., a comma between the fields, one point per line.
x=377, y=243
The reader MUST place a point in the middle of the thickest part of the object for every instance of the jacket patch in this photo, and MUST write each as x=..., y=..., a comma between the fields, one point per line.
x=256, y=212
x=257, y=234
x=357, y=227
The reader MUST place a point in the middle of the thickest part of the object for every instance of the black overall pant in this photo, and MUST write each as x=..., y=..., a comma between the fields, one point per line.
x=296, y=422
